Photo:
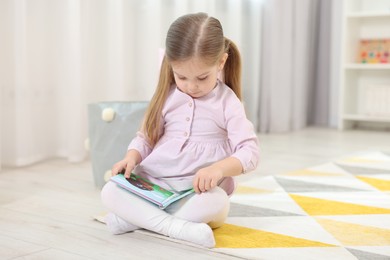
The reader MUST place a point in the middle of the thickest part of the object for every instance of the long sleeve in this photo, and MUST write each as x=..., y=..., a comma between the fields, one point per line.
x=241, y=135
x=141, y=144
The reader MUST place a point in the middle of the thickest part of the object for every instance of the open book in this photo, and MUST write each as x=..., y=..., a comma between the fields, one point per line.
x=148, y=190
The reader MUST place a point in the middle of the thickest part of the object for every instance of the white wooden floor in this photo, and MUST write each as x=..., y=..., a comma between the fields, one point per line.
x=46, y=209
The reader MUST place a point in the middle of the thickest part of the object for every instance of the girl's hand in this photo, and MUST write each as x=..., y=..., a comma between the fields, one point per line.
x=207, y=178
x=127, y=165
x=123, y=166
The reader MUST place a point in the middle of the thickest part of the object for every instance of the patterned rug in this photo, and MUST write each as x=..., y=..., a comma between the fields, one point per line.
x=338, y=210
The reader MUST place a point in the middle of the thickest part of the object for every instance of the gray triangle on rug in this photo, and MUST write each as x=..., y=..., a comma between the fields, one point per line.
x=362, y=255
x=362, y=170
x=241, y=210
x=302, y=186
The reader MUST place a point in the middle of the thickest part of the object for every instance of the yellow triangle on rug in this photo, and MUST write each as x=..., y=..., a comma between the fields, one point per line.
x=312, y=173
x=360, y=160
x=383, y=185
x=315, y=206
x=232, y=236
x=250, y=190
x=356, y=235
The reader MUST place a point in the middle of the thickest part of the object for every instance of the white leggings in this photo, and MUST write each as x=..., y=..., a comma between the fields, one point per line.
x=210, y=207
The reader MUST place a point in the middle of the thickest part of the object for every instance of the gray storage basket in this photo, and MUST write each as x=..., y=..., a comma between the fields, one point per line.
x=108, y=140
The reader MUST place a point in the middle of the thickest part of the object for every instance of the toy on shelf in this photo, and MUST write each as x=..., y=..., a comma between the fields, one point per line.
x=374, y=51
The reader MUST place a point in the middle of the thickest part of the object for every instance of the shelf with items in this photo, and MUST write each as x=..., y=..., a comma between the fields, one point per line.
x=365, y=64
x=367, y=37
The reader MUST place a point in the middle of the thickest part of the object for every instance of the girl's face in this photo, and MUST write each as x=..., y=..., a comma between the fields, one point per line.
x=195, y=78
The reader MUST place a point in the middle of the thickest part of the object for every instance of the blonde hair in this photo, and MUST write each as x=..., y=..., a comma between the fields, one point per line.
x=193, y=35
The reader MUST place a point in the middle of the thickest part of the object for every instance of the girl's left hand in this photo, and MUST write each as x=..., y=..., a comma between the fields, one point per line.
x=206, y=179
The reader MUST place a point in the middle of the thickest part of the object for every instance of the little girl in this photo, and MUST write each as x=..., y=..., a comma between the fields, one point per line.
x=195, y=134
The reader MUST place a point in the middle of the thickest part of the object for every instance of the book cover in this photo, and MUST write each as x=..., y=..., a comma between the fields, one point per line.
x=148, y=190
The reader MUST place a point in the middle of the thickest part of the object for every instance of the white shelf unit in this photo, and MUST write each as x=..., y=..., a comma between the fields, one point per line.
x=363, y=19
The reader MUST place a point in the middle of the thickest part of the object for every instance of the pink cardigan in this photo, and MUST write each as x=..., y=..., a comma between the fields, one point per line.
x=197, y=132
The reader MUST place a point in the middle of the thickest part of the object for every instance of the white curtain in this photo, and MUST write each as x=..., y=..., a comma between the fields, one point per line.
x=56, y=56
x=300, y=64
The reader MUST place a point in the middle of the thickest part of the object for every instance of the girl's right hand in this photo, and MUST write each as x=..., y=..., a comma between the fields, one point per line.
x=123, y=166
x=127, y=165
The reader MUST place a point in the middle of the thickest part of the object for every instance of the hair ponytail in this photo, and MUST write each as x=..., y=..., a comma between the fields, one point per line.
x=151, y=125
x=232, y=68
